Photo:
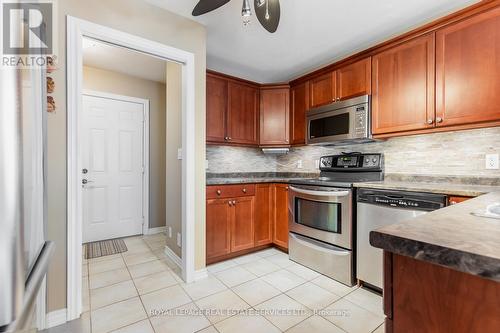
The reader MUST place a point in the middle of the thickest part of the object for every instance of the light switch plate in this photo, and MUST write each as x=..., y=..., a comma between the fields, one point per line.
x=492, y=162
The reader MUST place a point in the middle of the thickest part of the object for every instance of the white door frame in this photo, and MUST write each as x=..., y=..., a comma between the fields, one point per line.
x=76, y=30
x=145, y=146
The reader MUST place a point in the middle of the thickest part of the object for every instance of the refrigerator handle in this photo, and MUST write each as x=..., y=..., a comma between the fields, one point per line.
x=32, y=287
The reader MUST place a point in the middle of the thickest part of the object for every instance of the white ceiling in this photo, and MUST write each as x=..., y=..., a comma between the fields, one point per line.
x=312, y=33
x=117, y=59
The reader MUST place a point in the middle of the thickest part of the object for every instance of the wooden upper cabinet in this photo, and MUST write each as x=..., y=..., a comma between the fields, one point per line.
x=275, y=116
x=403, y=87
x=281, y=215
x=299, y=104
x=354, y=79
x=242, y=229
x=218, y=228
x=263, y=214
x=242, y=115
x=322, y=89
x=468, y=70
x=216, y=108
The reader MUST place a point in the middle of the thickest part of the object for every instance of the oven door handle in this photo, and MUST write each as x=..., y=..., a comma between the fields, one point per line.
x=321, y=193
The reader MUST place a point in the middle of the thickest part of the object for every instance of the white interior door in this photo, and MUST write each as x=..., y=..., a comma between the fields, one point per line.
x=112, y=138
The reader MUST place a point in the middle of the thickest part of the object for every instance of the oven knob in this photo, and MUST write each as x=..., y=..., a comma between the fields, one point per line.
x=367, y=160
x=374, y=160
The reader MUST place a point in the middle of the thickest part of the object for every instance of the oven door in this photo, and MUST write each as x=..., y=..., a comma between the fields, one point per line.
x=322, y=213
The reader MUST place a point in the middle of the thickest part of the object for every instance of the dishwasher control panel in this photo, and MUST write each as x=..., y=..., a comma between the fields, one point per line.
x=402, y=199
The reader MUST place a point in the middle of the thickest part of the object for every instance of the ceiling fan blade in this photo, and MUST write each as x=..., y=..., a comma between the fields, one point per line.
x=205, y=6
x=272, y=7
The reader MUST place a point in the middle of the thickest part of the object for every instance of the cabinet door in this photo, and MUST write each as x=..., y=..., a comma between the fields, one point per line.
x=274, y=116
x=299, y=106
x=354, y=79
x=263, y=214
x=216, y=108
x=322, y=89
x=468, y=70
x=242, y=114
x=281, y=215
x=242, y=235
x=218, y=228
x=403, y=87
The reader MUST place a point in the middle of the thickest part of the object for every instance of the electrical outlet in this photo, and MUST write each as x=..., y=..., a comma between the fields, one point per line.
x=299, y=164
x=179, y=154
x=179, y=239
x=492, y=161
x=169, y=232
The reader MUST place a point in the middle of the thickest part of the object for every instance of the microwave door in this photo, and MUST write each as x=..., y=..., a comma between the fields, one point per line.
x=330, y=126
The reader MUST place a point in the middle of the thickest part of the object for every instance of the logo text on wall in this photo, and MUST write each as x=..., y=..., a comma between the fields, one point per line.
x=29, y=34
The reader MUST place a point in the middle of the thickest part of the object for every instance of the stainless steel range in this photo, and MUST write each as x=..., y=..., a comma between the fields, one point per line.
x=321, y=214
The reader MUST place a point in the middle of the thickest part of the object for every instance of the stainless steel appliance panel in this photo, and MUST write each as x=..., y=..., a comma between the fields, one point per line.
x=369, y=265
x=340, y=122
x=324, y=258
x=322, y=213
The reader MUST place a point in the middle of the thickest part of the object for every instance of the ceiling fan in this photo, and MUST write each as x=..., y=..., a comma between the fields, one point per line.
x=267, y=11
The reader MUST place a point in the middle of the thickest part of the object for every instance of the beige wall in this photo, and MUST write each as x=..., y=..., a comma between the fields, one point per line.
x=174, y=165
x=147, y=21
x=117, y=83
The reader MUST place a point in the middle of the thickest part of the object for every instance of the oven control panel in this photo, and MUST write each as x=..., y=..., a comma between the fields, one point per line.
x=351, y=162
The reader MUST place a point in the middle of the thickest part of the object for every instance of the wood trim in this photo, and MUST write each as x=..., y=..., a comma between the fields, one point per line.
x=232, y=78
x=438, y=129
x=420, y=31
x=388, y=270
x=237, y=254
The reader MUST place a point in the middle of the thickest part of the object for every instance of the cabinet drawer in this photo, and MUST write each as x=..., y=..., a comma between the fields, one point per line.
x=230, y=191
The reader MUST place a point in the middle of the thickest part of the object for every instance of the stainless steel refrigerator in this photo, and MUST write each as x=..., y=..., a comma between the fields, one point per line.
x=24, y=251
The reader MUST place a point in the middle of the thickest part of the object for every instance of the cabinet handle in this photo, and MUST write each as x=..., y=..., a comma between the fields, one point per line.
x=234, y=202
x=430, y=121
x=439, y=120
x=244, y=190
x=230, y=203
x=286, y=188
x=226, y=138
x=453, y=202
x=218, y=192
x=229, y=138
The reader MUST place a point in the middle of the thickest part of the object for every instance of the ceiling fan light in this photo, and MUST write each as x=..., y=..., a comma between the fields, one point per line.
x=246, y=11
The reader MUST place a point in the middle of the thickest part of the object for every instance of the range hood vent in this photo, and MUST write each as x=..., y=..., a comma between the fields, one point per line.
x=276, y=151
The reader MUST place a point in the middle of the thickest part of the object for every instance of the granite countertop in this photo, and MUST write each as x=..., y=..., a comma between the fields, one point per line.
x=256, y=177
x=451, y=237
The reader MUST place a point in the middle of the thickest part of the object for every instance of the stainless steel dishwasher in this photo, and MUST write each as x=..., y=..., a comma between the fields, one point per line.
x=377, y=208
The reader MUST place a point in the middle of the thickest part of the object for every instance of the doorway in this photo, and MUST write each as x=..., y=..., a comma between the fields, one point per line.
x=77, y=30
x=115, y=169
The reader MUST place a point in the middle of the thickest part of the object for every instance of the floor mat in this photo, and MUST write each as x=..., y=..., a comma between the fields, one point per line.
x=104, y=248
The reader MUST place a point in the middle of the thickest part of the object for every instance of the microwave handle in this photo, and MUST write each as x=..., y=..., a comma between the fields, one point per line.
x=321, y=193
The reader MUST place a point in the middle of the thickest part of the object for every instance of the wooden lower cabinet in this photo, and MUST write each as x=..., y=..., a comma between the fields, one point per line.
x=256, y=217
x=242, y=224
x=281, y=215
x=264, y=213
x=218, y=228
x=423, y=297
x=455, y=200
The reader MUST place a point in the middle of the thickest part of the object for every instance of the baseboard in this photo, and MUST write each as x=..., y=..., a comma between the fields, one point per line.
x=157, y=230
x=174, y=257
x=56, y=318
x=200, y=274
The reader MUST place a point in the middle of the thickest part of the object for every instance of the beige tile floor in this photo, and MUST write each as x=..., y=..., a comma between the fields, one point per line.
x=140, y=291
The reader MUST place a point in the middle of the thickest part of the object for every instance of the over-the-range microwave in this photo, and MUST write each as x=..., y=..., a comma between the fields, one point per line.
x=345, y=122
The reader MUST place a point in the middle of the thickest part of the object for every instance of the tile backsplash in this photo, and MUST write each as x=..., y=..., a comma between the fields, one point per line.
x=460, y=153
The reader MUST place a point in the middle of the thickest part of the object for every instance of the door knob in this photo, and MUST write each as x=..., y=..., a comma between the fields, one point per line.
x=86, y=181
x=84, y=171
